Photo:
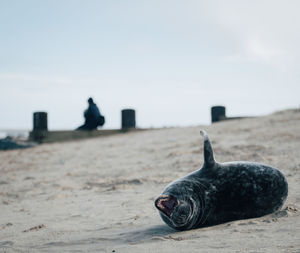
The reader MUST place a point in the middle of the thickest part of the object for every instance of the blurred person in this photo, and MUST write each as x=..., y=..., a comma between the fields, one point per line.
x=93, y=117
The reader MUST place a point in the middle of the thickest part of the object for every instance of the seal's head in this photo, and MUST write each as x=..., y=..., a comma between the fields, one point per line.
x=178, y=206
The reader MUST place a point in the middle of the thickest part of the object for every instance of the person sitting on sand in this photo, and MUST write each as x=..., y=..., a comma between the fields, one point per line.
x=93, y=117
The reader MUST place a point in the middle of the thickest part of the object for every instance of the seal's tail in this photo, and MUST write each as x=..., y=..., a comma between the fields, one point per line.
x=209, y=160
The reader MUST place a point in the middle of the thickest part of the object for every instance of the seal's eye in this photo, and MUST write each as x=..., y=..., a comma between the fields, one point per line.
x=166, y=204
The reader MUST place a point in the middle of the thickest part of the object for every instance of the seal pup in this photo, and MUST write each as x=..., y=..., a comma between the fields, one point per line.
x=221, y=192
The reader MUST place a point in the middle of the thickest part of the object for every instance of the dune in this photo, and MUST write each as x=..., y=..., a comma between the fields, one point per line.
x=97, y=195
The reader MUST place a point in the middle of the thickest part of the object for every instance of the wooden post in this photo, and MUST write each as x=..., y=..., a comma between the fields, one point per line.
x=128, y=118
x=40, y=127
x=218, y=113
x=40, y=121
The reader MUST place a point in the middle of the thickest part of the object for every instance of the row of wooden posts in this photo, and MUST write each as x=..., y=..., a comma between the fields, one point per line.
x=40, y=120
x=40, y=131
x=41, y=134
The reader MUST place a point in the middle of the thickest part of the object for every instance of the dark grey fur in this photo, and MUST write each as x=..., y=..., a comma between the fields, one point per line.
x=221, y=192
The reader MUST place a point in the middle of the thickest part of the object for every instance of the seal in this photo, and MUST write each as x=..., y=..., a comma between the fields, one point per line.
x=221, y=192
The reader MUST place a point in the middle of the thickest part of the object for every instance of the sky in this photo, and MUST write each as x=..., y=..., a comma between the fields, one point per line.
x=170, y=60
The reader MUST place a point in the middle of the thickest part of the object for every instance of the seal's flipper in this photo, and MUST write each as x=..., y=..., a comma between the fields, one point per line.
x=209, y=160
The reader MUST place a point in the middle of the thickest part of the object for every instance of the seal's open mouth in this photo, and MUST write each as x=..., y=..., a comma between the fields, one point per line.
x=166, y=204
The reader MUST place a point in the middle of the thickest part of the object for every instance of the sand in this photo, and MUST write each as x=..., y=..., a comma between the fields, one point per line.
x=97, y=195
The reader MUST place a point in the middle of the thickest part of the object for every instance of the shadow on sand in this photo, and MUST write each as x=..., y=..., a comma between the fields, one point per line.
x=113, y=238
x=146, y=234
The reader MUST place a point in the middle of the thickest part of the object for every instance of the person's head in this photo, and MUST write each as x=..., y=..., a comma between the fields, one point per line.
x=90, y=101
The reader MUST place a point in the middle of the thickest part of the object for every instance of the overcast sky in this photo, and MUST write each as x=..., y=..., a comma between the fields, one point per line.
x=169, y=60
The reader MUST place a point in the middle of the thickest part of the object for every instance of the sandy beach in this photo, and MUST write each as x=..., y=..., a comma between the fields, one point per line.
x=97, y=195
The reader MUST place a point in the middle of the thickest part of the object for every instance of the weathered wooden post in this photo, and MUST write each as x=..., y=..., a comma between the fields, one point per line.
x=128, y=118
x=218, y=113
x=40, y=126
x=40, y=121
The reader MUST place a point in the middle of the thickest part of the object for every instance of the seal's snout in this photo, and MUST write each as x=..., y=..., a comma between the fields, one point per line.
x=166, y=204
